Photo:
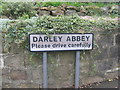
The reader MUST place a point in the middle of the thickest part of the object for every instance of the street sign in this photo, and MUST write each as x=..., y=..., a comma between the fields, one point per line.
x=60, y=42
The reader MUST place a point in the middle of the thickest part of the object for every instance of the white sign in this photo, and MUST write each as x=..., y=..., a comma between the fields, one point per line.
x=60, y=42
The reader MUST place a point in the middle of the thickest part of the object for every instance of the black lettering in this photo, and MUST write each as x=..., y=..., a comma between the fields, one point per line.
x=69, y=45
x=48, y=45
x=87, y=37
x=50, y=39
x=68, y=39
x=35, y=39
x=40, y=39
x=53, y=45
x=78, y=38
x=83, y=38
x=45, y=39
x=33, y=45
x=38, y=46
x=55, y=39
x=63, y=45
x=60, y=38
x=73, y=38
x=80, y=44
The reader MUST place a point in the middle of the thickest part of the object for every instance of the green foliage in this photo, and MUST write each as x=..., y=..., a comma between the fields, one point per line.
x=99, y=4
x=1, y=6
x=52, y=3
x=18, y=31
x=0, y=9
x=16, y=10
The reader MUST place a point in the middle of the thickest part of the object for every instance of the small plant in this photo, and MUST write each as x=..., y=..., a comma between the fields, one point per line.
x=1, y=7
x=16, y=10
x=78, y=4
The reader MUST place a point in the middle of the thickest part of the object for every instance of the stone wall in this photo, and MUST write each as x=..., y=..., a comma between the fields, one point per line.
x=101, y=63
x=70, y=10
x=1, y=54
x=0, y=61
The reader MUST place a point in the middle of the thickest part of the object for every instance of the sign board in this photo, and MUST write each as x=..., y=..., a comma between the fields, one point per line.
x=60, y=42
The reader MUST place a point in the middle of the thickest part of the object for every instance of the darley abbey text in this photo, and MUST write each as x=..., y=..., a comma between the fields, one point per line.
x=41, y=42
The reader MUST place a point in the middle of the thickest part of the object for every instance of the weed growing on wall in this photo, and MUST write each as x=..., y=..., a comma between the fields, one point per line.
x=100, y=4
x=17, y=31
x=1, y=6
x=16, y=10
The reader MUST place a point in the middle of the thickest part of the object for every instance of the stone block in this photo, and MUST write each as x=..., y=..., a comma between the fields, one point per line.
x=65, y=57
x=29, y=85
x=14, y=60
x=60, y=76
x=113, y=62
x=89, y=80
x=8, y=85
x=32, y=61
x=18, y=75
x=57, y=12
x=118, y=53
x=15, y=49
x=84, y=67
x=106, y=40
x=71, y=7
x=37, y=75
x=103, y=66
x=84, y=70
x=70, y=12
x=117, y=39
x=100, y=54
x=6, y=75
x=113, y=52
x=43, y=12
x=111, y=75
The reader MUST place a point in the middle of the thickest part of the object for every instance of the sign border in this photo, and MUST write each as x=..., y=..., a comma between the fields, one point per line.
x=58, y=34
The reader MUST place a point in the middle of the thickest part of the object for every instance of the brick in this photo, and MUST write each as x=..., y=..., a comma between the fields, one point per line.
x=18, y=75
